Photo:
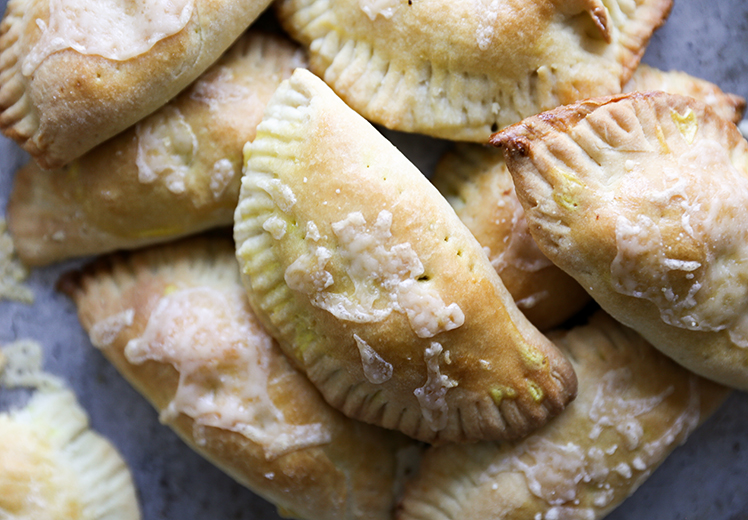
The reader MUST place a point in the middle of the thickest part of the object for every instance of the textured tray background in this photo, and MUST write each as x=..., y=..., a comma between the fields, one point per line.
x=705, y=478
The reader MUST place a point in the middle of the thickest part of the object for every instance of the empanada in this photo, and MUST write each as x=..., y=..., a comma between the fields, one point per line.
x=52, y=466
x=174, y=173
x=726, y=105
x=75, y=73
x=634, y=407
x=478, y=185
x=643, y=198
x=369, y=280
x=174, y=320
x=460, y=70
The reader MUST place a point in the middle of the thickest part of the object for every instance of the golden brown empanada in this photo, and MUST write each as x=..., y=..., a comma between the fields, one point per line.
x=479, y=187
x=372, y=284
x=634, y=407
x=174, y=320
x=728, y=106
x=174, y=173
x=461, y=70
x=74, y=73
x=477, y=183
x=52, y=466
x=643, y=198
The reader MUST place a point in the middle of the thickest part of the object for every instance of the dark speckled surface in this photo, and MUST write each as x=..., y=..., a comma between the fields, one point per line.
x=707, y=478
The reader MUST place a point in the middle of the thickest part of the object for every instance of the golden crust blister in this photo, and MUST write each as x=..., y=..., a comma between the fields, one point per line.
x=641, y=198
x=174, y=321
x=478, y=185
x=74, y=74
x=372, y=284
x=174, y=173
x=634, y=407
x=411, y=67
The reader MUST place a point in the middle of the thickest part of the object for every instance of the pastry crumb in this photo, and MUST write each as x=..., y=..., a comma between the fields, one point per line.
x=12, y=272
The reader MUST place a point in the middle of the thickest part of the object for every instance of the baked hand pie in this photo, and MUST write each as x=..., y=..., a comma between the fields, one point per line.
x=634, y=407
x=75, y=73
x=462, y=70
x=370, y=282
x=54, y=467
x=174, y=173
x=726, y=105
x=478, y=185
x=642, y=198
x=175, y=322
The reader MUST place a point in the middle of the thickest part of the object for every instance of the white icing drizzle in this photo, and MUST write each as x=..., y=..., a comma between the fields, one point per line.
x=276, y=226
x=222, y=359
x=376, y=369
x=431, y=396
x=307, y=273
x=557, y=472
x=487, y=12
x=115, y=29
x=532, y=300
x=704, y=200
x=282, y=195
x=569, y=513
x=384, y=8
x=166, y=148
x=610, y=409
x=384, y=278
x=104, y=332
x=221, y=176
x=218, y=87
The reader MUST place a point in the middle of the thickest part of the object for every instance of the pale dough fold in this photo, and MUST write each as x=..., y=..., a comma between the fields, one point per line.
x=634, y=407
x=75, y=73
x=461, y=70
x=174, y=320
x=52, y=465
x=174, y=173
x=343, y=242
x=479, y=187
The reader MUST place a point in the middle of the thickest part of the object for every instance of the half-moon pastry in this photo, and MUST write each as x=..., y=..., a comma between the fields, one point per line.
x=643, y=198
x=53, y=466
x=174, y=173
x=478, y=185
x=75, y=73
x=175, y=322
x=365, y=275
x=462, y=70
x=726, y=105
x=634, y=407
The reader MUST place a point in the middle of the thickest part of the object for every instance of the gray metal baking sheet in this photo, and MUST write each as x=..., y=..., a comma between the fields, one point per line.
x=707, y=478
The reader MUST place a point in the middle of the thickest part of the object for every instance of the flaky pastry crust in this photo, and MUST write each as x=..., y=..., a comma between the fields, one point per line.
x=462, y=70
x=478, y=185
x=175, y=323
x=642, y=198
x=635, y=406
x=59, y=103
x=174, y=173
x=368, y=279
